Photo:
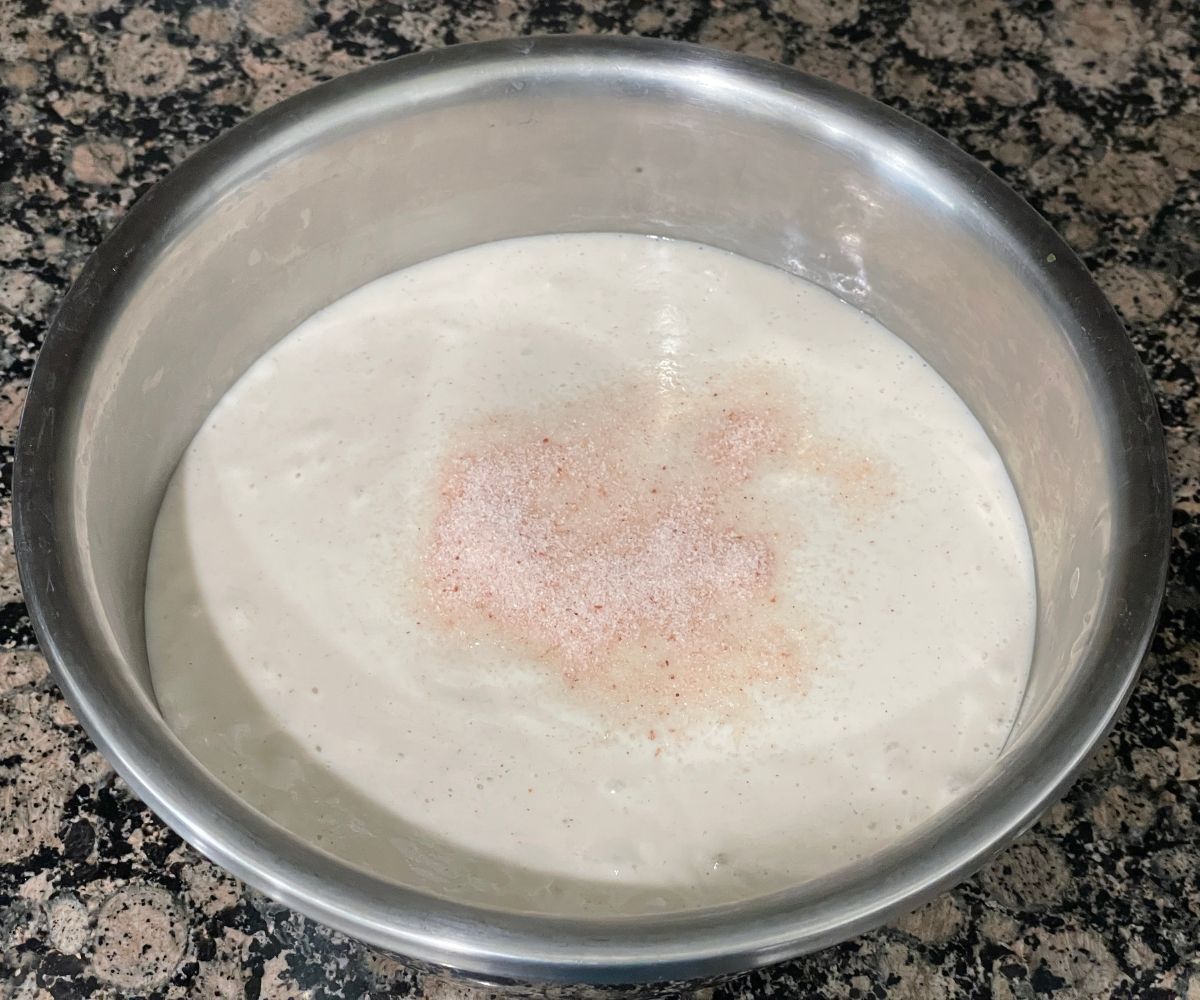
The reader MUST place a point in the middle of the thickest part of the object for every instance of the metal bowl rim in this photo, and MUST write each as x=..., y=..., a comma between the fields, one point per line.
x=531, y=948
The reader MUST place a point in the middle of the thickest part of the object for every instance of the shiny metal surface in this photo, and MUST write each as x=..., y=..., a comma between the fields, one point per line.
x=443, y=150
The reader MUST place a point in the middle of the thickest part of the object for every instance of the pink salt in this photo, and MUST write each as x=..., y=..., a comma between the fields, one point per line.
x=614, y=538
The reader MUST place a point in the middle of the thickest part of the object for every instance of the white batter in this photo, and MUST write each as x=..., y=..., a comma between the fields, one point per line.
x=592, y=572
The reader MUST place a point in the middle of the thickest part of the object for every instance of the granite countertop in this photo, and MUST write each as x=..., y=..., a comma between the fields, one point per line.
x=1089, y=108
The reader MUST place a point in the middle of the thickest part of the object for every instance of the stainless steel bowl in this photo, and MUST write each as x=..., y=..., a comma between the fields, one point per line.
x=439, y=151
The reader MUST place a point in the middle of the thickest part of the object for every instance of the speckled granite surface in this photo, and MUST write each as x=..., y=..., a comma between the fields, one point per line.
x=1089, y=108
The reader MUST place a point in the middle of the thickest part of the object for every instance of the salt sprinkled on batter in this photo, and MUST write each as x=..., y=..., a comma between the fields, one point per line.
x=616, y=537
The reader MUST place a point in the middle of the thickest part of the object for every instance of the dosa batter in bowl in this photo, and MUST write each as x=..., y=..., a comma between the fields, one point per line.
x=592, y=573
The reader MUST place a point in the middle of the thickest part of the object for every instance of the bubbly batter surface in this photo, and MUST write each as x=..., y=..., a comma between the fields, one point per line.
x=592, y=572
